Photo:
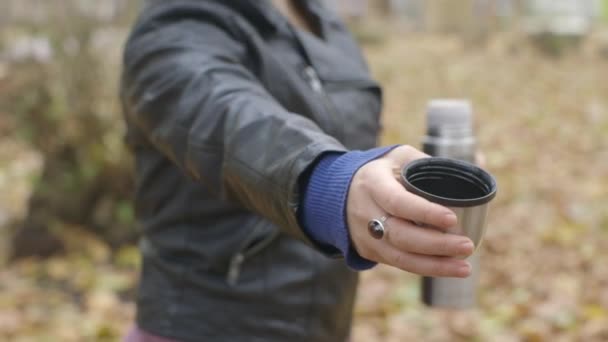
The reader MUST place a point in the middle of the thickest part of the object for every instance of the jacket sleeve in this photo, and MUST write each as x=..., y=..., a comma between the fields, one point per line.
x=187, y=87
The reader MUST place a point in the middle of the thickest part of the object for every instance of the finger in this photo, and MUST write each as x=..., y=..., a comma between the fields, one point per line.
x=430, y=266
x=404, y=154
x=394, y=199
x=406, y=236
x=480, y=159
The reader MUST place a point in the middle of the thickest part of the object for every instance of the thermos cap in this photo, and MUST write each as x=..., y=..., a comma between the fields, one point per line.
x=449, y=112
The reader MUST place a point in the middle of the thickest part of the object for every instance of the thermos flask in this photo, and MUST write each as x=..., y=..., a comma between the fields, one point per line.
x=450, y=135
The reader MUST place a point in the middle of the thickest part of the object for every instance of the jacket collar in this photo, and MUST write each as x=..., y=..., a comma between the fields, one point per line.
x=263, y=12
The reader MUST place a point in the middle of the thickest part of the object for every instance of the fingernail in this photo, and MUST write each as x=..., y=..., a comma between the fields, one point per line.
x=450, y=219
x=465, y=270
x=467, y=245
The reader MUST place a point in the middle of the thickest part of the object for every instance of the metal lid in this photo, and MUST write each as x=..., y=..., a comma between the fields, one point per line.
x=449, y=112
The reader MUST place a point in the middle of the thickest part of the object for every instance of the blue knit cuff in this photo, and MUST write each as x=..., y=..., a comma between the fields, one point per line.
x=323, y=206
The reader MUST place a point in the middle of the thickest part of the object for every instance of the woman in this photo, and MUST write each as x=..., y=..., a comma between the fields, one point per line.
x=253, y=125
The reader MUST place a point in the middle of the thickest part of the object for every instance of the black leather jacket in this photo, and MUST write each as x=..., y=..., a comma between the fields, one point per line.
x=227, y=107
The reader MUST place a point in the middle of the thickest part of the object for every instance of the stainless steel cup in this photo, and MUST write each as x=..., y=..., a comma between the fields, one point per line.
x=458, y=185
x=467, y=190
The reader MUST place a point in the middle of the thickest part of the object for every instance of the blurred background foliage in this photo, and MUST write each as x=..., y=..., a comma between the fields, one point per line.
x=61, y=68
x=536, y=75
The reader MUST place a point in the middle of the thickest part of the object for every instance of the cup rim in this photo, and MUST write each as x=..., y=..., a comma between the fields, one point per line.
x=469, y=169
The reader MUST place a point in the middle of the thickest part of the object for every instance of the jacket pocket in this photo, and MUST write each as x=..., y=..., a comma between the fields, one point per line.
x=342, y=100
x=358, y=104
x=261, y=236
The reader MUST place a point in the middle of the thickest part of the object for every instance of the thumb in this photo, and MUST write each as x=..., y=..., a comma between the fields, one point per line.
x=401, y=156
x=405, y=154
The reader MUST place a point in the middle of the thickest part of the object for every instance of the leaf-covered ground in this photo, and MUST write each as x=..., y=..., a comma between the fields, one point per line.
x=543, y=125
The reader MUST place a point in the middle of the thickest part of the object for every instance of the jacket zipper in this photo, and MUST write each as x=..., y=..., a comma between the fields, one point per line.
x=236, y=261
x=313, y=79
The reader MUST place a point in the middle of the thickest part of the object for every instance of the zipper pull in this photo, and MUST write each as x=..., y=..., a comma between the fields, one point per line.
x=313, y=79
x=234, y=270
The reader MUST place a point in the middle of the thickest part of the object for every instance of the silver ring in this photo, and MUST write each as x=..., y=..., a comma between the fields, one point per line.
x=376, y=227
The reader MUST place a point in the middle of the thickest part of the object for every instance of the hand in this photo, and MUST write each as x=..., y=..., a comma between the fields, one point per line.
x=480, y=159
x=375, y=192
